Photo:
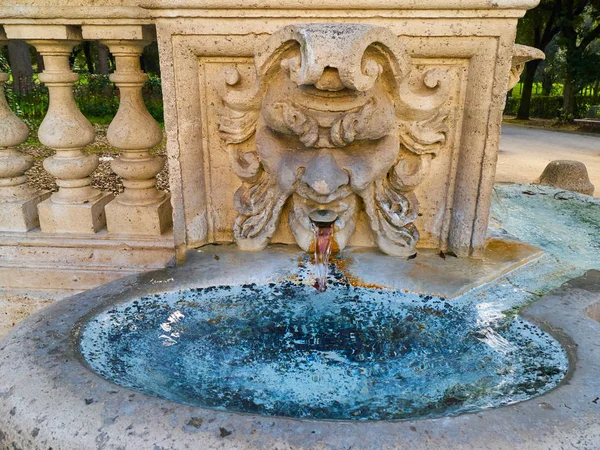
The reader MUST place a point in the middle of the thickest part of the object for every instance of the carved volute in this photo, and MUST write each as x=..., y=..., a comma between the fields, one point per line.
x=340, y=124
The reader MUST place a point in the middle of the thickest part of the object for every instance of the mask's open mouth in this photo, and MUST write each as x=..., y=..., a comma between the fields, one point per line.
x=323, y=217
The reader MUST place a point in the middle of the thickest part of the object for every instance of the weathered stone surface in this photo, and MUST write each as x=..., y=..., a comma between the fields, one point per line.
x=330, y=130
x=141, y=208
x=94, y=410
x=521, y=55
x=445, y=68
x=411, y=96
x=146, y=220
x=569, y=175
x=83, y=218
x=42, y=266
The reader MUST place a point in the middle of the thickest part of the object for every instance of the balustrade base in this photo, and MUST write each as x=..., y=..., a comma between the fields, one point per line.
x=21, y=215
x=36, y=262
x=149, y=220
x=77, y=219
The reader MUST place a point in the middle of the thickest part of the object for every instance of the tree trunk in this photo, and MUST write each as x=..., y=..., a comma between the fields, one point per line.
x=39, y=60
x=525, y=104
x=103, y=61
x=547, y=85
x=19, y=60
x=87, y=52
x=569, y=95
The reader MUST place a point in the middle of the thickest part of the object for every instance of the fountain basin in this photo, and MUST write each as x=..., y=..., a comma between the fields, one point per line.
x=351, y=353
x=71, y=407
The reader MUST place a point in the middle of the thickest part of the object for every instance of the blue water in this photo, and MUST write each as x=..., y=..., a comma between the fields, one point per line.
x=350, y=353
x=354, y=353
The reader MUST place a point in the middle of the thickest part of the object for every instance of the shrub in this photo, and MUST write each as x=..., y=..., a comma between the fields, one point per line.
x=549, y=107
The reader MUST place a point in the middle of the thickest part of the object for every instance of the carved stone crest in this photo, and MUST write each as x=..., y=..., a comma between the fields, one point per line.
x=340, y=123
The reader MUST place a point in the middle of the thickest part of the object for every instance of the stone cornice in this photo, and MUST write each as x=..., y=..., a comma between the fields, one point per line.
x=342, y=5
x=73, y=11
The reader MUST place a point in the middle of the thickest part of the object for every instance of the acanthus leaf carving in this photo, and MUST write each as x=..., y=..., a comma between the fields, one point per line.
x=425, y=136
x=391, y=214
x=240, y=109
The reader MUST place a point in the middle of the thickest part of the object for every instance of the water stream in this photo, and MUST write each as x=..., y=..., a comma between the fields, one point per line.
x=323, y=240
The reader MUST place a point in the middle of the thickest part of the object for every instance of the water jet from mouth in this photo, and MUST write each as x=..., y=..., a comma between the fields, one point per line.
x=322, y=223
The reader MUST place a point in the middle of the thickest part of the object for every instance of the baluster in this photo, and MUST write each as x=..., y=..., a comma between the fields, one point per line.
x=18, y=200
x=76, y=207
x=141, y=209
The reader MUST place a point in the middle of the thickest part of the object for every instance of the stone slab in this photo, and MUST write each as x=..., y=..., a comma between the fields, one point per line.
x=37, y=268
x=78, y=218
x=123, y=32
x=47, y=261
x=42, y=31
x=335, y=4
x=149, y=220
x=14, y=308
x=445, y=276
x=428, y=273
x=94, y=410
x=21, y=215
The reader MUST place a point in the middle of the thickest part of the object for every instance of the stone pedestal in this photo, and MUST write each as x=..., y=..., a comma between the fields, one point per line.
x=21, y=215
x=569, y=175
x=141, y=209
x=73, y=218
x=152, y=220
x=77, y=207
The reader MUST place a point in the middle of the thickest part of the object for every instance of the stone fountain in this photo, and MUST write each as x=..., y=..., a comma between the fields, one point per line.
x=378, y=123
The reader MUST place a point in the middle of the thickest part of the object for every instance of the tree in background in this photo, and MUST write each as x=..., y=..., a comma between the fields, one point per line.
x=579, y=28
x=103, y=59
x=552, y=68
x=19, y=58
x=537, y=29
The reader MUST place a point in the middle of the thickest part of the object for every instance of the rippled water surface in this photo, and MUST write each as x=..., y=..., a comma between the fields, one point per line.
x=353, y=353
x=349, y=353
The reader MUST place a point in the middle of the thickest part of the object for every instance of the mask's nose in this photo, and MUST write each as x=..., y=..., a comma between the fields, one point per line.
x=323, y=175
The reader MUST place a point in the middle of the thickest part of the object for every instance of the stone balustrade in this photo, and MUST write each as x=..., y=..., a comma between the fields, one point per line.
x=18, y=201
x=123, y=234
x=435, y=72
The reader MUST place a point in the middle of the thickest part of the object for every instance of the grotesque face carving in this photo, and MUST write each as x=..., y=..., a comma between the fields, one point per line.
x=328, y=137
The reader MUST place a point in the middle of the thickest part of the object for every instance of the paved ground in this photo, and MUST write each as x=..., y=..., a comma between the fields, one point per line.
x=524, y=152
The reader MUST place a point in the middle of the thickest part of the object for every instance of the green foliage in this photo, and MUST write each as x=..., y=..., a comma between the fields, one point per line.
x=31, y=106
x=96, y=96
x=4, y=67
x=550, y=107
x=152, y=93
x=537, y=89
x=539, y=25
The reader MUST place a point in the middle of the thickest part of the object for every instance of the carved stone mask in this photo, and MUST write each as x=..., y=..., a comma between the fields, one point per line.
x=331, y=134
